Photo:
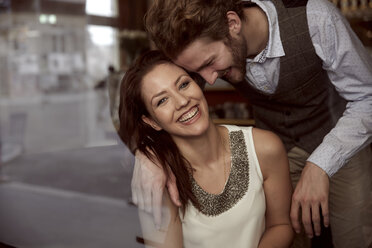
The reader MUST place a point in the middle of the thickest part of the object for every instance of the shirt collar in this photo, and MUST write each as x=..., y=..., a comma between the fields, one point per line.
x=274, y=47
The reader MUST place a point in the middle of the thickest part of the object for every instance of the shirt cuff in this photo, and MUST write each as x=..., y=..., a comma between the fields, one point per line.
x=327, y=158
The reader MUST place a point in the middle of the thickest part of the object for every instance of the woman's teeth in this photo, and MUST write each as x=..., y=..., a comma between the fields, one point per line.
x=189, y=115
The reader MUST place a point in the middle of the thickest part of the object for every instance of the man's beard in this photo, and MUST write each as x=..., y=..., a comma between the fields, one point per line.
x=238, y=50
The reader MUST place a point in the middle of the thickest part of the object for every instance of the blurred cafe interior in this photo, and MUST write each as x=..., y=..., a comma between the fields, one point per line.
x=64, y=173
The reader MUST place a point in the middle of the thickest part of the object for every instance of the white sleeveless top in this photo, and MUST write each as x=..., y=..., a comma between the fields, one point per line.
x=236, y=217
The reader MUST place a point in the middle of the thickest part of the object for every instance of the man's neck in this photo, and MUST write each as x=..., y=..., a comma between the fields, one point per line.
x=255, y=30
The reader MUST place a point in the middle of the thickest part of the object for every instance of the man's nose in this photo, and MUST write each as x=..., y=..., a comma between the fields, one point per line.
x=209, y=76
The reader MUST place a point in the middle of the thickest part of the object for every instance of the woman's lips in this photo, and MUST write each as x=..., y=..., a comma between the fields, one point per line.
x=189, y=114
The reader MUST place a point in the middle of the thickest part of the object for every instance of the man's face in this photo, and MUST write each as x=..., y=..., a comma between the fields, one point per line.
x=213, y=59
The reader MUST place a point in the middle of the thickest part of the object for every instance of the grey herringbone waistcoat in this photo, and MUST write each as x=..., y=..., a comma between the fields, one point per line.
x=305, y=105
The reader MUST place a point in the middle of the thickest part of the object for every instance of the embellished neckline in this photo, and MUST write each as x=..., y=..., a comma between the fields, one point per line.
x=236, y=184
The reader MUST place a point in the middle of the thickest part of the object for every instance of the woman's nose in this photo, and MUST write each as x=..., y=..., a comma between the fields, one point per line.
x=181, y=100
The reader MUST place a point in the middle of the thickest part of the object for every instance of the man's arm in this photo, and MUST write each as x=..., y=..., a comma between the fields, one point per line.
x=169, y=235
x=148, y=184
x=349, y=68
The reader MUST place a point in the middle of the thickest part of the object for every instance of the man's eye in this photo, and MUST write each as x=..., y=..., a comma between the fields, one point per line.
x=209, y=63
x=184, y=84
x=161, y=101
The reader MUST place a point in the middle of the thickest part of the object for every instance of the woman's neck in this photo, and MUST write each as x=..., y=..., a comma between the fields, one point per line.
x=205, y=149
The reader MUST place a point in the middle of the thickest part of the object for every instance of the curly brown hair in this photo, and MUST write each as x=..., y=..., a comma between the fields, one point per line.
x=174, y=24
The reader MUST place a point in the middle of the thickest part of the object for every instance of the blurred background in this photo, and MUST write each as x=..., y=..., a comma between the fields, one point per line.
x=64, y=173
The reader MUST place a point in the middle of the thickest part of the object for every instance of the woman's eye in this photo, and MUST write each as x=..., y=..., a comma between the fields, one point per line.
x=161, y=101
x=184, y=84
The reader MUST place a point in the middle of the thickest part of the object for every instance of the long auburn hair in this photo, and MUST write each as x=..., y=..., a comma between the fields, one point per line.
x=158, y=146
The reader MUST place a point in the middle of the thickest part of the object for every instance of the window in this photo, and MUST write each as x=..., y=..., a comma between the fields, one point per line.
x=106, y=8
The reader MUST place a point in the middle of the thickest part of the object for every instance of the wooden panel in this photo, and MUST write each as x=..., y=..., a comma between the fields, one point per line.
x=102, y=20
x=66, y=8
x=238, y=122
x=131, y=14
x=215, y=97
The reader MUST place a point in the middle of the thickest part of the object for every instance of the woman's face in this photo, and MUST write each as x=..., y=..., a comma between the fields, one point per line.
x=174, y=101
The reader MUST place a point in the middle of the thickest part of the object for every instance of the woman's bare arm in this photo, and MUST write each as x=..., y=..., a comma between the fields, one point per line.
x=278, y=189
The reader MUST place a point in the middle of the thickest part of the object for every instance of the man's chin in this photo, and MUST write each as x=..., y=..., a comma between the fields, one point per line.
x=233, y=80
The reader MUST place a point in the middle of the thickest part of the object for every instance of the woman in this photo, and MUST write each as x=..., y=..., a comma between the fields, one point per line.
x=234, y=182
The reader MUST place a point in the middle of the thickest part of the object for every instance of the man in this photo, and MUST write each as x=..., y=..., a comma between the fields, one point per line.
x=309, y=80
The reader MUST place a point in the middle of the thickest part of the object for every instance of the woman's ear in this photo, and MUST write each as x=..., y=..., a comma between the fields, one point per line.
x=151, y=122
x=235, y=23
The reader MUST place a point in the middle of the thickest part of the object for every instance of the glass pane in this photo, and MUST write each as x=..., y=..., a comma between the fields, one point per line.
x=64, y=173
x=101, y=8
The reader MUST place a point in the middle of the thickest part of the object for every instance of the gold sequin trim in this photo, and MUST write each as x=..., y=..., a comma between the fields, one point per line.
x=237, y=183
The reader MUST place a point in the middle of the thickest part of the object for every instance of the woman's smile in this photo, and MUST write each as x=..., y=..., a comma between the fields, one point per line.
x=189, y=116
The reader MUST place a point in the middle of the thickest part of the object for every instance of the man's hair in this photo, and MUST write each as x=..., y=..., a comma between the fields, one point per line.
x=175, y=24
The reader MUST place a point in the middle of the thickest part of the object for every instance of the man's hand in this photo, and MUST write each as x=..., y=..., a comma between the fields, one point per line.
x=148, y=183
x=310, y=195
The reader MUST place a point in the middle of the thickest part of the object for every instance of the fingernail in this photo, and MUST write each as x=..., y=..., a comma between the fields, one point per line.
x=310, y=236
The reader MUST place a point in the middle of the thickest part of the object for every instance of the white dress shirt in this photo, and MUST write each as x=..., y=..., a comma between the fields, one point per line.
x=349, y=68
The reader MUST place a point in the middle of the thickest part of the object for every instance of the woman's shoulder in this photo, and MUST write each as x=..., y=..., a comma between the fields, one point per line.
x=266, y=142
x=269, y=148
